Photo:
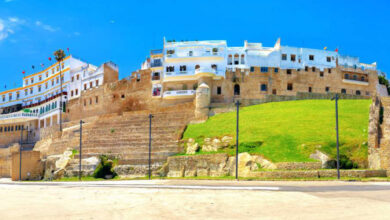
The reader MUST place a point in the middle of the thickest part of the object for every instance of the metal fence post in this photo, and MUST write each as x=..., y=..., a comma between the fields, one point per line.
x=237, y=132
x=150, y=145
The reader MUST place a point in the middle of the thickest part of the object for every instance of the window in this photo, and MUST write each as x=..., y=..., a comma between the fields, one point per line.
x=362, y=78
x=343, y=91
x=123, y=96
x=183, y=68
x=170, y=52
x=289, y=71
x=197, y=67
x=328, y=59
x=71, y=93
x=230, y=59
x=310, y=90
x=85, y=102
x=170, y=69
x=26, y=82
x=214, y=67
x=96, y=99
x=264, y=69
x=346, y=76
x=32, y=80
x=367, y=93
x=313, y=69
x=90, y=85
x=97, y=82
x=358, y=92
x=77, y=77
x=58, y=68
x=327, y=89
x=76, y=92
x=17, y=95
x=52, y=70
x=138, y=77
x=329, y=70
x=252, y=69
x=263, y=87
x=215, y=51
x=10, y=96
x=90, y=101
x=236, y=59
x=354, y=77
x=219, y=90
x=306, y=68
x=31, y=90
x=274, y=91
x=46, y=85
x=276, y=70
x=25, y=92
x=47, y=74
x=62, y=65
x=3, y=98
x=289, y=86
x=57, y=80
x=85, y=86
x=321, y=74
x=311, y=57
x=72, y=78
x=284, y=56
x=292, y=57
x=236, y=89
x=242, y=59
x=52, y=82
x=40, y=77
x=190, y=53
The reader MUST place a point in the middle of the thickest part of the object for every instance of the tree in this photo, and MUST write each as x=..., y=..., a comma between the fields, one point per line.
x=59, y=56
x=382, y=80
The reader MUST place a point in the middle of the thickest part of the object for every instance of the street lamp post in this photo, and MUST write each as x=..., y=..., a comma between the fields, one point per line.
x=20, y=153
x=81, y=138
x=237, y=132
x=336, y=98
x=150, y=145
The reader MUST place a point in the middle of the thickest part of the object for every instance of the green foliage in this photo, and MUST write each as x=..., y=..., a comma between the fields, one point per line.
x=112, y=130
x=74, y=152
x=106, y=167
x=59, y=55
x=382, y=80
x=290, y=131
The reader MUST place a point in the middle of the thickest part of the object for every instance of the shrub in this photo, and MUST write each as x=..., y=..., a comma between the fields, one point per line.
x=345, y=163
x=106, y=167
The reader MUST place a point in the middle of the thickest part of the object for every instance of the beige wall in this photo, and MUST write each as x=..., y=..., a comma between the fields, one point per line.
x=32, y=167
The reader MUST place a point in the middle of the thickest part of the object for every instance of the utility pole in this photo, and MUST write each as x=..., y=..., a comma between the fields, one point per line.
x=20, y=154
x=150, y=144
x=237, y=132
x=336, y=98
x=81, y=136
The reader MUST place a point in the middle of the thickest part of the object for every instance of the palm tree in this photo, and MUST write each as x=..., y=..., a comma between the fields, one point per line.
x=59, y=56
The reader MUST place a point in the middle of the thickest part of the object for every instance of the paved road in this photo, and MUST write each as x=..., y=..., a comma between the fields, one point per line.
x=194, y=199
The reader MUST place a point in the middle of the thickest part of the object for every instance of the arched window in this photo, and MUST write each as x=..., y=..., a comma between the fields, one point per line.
x=362, y=78
x=236, y=89
x=197, y=67
x=214, y=67
x=358, y=92
x=230, y=59
x=346, y=76
x=242, y=59
x=343, y=91
x=354, y=77
x=236, y=59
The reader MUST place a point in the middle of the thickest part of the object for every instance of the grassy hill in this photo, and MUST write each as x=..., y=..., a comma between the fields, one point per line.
x=292, y=130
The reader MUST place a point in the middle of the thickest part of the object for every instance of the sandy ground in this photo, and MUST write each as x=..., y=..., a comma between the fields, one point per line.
x=129, y=200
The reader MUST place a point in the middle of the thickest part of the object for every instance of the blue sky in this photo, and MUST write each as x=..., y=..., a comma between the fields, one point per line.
x=125, y=31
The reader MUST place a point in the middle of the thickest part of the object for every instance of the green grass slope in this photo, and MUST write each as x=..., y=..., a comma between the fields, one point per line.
x=291, y=131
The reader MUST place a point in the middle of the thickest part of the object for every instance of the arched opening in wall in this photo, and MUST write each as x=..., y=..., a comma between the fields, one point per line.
x=343, y=91
x=236, y=59
x=230, y=59
x=242, y=59
x=195, y=86
x=197, y=67
x=214, y=67
x=358, y=92
x=236, y=89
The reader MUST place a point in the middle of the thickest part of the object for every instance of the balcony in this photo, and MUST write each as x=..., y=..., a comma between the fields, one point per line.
x=205, y=70
x=156, y=64
x=179, y=94
x=155, y=78
x=356, y=81
x=155, y=52
x=21, y=115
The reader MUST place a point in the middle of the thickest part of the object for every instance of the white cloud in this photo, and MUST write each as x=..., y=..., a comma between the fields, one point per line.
x=8, y=1
x=7, y=26
x=45, y=26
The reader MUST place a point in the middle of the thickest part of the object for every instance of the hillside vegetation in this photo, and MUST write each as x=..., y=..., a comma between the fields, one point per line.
x=291, y=131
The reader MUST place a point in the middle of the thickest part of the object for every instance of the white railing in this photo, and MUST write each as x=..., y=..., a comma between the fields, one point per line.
x=205, y=70
x=194, y=72
x=18, y=115
x=179, y=93
x=50, y=111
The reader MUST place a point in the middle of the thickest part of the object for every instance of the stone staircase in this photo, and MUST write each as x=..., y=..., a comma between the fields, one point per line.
x=127, y=137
